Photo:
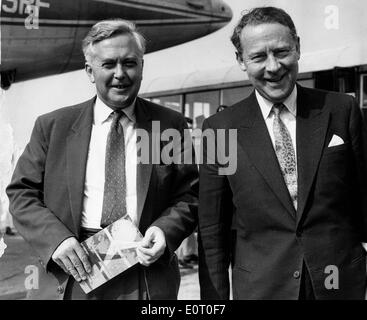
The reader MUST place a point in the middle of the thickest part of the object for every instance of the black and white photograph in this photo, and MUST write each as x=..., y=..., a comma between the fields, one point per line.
x=228, y=136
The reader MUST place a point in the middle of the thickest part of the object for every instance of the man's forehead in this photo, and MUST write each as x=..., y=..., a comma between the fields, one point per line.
x=266, y=30
x=118, y=44
x=115, y=57
x=256, y=36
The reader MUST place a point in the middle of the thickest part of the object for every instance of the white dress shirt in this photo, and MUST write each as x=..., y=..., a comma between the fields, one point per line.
x=95, y=172
x=288, y=116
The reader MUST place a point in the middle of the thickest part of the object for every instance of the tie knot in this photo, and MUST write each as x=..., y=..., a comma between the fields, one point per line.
x=116, y=116
x=278, y=108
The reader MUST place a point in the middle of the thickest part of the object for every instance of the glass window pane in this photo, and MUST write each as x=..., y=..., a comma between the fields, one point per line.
x=171, y=102
x=198, y=107
x=201, y=105
x=233, y=95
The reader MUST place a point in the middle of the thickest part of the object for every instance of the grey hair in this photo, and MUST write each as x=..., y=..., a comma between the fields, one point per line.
x=109, y=28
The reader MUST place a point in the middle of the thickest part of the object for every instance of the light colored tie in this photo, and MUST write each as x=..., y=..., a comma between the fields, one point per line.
x=114, y=196
x=285, y=152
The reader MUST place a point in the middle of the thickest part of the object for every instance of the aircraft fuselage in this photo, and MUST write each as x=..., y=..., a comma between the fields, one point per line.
x=43, y=37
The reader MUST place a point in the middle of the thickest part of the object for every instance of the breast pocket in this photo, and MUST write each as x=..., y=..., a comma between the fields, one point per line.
x=340, y=148
x=335, y=163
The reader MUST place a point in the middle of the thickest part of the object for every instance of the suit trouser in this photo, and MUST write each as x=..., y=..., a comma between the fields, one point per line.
x=129, y=285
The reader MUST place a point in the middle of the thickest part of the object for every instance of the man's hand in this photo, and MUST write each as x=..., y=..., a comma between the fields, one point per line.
x=71, y=257
x=152, y=246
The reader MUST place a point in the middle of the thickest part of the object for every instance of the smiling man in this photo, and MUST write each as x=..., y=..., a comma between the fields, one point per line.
x=115, y=66
x=80, y=172
x=291, y=220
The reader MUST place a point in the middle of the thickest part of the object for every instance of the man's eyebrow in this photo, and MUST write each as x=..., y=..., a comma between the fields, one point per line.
x=103, y=59
x=256, y=53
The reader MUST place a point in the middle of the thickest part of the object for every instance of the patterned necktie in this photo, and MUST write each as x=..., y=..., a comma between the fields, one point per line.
x=285, y=153
x=114, y=197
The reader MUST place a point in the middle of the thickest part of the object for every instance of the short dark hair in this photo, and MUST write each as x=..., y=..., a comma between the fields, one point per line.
x=109, y=28
x=262, y=15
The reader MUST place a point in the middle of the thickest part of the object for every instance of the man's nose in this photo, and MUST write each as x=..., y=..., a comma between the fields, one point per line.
x=272, y=64
x=119, y=71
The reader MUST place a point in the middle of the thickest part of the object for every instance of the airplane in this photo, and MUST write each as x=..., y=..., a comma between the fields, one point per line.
x=43, y=37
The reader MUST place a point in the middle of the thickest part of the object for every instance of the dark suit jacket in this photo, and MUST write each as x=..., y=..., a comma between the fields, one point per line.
x=248, y=219
x=46, y=193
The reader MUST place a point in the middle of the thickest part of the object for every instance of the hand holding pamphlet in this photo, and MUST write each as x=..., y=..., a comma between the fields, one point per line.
x=111, y=251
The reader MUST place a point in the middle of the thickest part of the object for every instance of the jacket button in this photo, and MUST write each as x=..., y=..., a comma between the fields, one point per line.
x=296, y=274
x=60, y=290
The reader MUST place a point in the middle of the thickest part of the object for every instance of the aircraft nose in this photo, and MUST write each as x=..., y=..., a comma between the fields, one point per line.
x=222, y=13
x=222, y=9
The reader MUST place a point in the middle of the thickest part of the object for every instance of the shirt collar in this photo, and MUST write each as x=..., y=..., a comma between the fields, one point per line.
x=266, y=105
x=102, y=112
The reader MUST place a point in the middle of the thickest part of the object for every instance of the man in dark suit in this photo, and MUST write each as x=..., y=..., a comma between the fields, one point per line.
x=83, y=169
x=292, y=218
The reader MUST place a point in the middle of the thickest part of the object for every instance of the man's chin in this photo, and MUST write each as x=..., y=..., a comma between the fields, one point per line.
x=276, y=96
x=121, y=102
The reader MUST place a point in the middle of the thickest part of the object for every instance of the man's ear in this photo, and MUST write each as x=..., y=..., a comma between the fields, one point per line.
x=298, y=47
x=142, y=69
x=240, y=61
x=89, y=71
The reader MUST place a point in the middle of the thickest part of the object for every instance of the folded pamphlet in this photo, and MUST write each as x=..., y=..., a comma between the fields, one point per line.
x=111, y=251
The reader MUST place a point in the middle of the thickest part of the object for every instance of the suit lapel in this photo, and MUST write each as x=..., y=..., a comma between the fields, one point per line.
x=256, y=143
x=143, y=171
x=312, y=124
x=76, y=159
